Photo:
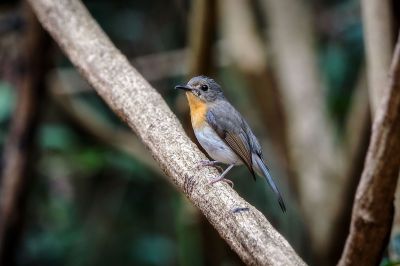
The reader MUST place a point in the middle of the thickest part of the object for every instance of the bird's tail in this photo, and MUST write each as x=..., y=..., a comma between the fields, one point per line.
x=262, y=169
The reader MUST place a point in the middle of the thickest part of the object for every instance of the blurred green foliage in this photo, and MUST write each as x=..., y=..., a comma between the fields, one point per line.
x=7, y=101
x=93, y=205
x=90, y=200
x=341, y=58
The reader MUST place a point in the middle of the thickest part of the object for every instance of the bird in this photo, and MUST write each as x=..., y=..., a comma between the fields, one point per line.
x=224, y=133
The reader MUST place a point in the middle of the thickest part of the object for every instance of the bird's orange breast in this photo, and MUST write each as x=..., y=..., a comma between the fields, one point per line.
x=198, y=110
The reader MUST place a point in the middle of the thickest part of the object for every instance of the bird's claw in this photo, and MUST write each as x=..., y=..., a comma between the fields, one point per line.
x=214, y=164
x=230, y=182
x=209, y=163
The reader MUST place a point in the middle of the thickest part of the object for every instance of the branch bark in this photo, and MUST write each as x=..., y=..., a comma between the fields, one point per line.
x=373, y=209
x=249, y=233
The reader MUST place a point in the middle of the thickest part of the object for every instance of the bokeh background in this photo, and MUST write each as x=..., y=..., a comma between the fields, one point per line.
x=90, y=193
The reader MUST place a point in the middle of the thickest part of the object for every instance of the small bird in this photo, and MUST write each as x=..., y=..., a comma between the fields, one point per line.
x=223, y=132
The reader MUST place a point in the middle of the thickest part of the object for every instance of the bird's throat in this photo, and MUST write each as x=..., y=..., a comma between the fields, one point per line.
x=198, y=110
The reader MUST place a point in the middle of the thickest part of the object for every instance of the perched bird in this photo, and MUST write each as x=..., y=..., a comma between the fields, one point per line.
x=223, y=132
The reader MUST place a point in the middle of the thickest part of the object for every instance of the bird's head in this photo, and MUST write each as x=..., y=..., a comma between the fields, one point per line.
x=205, y=88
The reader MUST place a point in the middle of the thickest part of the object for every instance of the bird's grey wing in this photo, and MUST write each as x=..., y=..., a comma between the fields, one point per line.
x=236, y=133
x=255, y=146
x=230, y=126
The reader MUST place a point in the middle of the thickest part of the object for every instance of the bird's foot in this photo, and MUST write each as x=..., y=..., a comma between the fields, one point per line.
x=209, y=163
x=218, y=179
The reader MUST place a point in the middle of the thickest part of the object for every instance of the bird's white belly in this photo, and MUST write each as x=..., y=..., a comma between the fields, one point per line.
x=215, y=146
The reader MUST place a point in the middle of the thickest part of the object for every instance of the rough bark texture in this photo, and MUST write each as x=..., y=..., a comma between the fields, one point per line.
x=249, y=233
x=373, y=209
x=378, y=28
x=378, y=31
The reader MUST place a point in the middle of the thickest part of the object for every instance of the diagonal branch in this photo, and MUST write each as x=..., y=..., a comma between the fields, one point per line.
x=249, y=233
x=373, y=209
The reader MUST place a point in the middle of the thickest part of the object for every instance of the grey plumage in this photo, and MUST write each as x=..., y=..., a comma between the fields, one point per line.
x=262, y=169
x=235, y=124
x=226, y=136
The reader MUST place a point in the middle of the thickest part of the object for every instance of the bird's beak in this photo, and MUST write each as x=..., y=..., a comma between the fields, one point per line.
x=183, y=87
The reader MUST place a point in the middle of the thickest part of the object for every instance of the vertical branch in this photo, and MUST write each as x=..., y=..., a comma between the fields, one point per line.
x=378, y=38
x=202, y=30
x=356, y=138
x=373, y=208
x=17, y=151
x=378, y=32
x=312, y=143
x=246, y=49
x=327, y=170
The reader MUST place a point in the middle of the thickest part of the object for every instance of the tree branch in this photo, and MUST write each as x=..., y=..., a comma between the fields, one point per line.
x=249, y=233
x=373, y=209
x=377, y=21
x=379, y=37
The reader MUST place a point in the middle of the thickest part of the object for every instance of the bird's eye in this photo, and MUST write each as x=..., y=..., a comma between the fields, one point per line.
x=204, y=87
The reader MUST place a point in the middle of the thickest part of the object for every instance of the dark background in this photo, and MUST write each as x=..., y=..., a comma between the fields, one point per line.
x=93, y=197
